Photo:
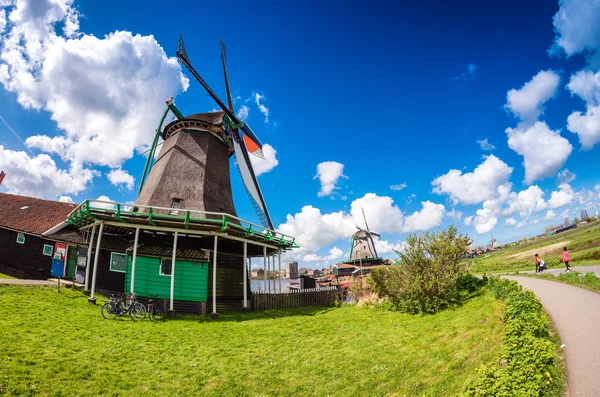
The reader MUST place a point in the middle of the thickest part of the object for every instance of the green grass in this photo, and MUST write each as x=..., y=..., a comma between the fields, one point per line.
x=584, y=246
x=588, y=281
x=5, y=276
x=58, y=344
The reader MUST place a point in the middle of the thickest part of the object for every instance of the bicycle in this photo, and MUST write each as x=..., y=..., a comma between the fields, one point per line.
x=153, y=307
x=117, y=306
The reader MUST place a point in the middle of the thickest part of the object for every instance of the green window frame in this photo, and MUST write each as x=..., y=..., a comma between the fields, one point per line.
x=20, y=238
x=118, y=262
x=48, y=250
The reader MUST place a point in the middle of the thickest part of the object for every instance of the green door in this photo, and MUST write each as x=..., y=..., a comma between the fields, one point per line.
x=71, y=261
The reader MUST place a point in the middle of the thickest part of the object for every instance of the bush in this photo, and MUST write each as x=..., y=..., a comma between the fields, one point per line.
x=528, y=353
x=426, y=278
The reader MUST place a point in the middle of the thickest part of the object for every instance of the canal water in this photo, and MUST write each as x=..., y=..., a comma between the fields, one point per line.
x=259, y=285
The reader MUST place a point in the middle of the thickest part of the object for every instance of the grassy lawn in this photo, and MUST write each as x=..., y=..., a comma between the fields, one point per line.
x=588, y=281
x=5, y=276
x=58, y=344
x=583, y=244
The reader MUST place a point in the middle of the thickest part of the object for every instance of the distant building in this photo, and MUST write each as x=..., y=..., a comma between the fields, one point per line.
x=291, y=270
x=257, y=273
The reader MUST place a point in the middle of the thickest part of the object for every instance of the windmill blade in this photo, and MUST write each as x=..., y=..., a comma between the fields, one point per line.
x=365, y=218
x=369, y=237
x=224, y=60
x=242, y=161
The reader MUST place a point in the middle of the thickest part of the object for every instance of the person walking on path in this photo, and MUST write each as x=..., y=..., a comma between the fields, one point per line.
x=567, y=259
x=537, y=260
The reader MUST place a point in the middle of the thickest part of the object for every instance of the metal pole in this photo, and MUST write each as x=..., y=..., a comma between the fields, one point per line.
x=265, y=268
x=279, y=258
x=269, y=271
x=245, y=276
x=171, y=304
x=88, y=262
x=214, y=297
x=135, y=245
x=96, y=255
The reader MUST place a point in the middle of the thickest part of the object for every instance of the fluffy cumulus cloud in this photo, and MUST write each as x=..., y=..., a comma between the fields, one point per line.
x=65, y=199
x=577, y=27
x=334, y=254
x=510, y=222
x=586, y=125
x=98, y=90
x=314, y=230
x=262, y=166
x=429, y=216
x=474, y=187
x=121, y=178
x=526, y=102
x=329, y=173
x=526, y=201
x=385, y=247
x=544, y=150
x=39, y=176
x=550, y=215
x=485, y=220
x=564, y=196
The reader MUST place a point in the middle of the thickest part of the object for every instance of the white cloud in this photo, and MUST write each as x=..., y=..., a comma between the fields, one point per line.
x=103, y=205
x=398, y=187
x=468, y=74
x=382, y=214
x=586, y=85
x=521, y=224
x=565, y=176
x=510, y=222
x=430, y=216
x=526, y=201
x=586, y=126
x=334, y=254
x=262, y=166
x=526, y=102
x=120, y=177
x=485, y=145
x=485, y=220
x=468, y=220
x=577, y=27
x=99, y=91
x=384, y=247
x=455, y=214
x=65, y=199
x=474, y=187
x=544, y=151
x=328, y=173
x=39, y=176
x=550, y=215
x=564, y=196
x=263, y=109
x=243, y=113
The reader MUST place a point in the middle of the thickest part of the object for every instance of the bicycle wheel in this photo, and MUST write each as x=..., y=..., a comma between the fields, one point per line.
x=151, y=312
x=109, y=311
x=137, y=311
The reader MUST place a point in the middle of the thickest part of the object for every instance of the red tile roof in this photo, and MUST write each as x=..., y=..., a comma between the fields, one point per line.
x=31, y=215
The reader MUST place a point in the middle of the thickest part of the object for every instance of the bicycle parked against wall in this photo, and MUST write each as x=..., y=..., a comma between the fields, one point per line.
x=120, y=305
x=153, y=307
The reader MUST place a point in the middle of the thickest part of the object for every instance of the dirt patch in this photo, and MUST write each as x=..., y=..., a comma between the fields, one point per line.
x=540, y=250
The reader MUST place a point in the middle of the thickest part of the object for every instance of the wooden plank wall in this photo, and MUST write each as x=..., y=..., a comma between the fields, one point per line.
x=297, y=298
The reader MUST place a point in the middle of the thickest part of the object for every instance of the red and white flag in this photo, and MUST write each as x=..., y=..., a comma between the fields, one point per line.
x=2, y=175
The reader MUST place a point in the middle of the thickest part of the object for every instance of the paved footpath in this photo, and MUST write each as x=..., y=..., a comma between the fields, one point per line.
x=560, y=270
x=18, y=281
x=576, y=313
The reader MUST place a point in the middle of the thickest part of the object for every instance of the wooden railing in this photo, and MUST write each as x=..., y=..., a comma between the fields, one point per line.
x=262, y=300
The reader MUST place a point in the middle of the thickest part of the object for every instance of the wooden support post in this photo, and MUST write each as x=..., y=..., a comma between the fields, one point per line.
x=279, y=257
x=265, y=267
x=92, y=299
x=135, y=245
x=214, y=315
x=245, y=303
x=269, y=271
x=88, y=262
x=173, y=259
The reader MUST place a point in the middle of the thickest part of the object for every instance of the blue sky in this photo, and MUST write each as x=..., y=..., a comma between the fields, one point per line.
x=380, y=95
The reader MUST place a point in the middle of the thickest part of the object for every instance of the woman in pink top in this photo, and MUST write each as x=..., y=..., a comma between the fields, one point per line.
x=566, y=259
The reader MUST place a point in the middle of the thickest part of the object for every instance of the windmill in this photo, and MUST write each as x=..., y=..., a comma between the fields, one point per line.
x=192, y=168
x=493, y=241
x=362, y=243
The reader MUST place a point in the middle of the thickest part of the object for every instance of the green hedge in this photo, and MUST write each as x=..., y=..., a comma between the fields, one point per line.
x=529, y=366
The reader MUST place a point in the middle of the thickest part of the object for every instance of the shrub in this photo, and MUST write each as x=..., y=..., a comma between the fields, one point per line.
x=425, y=278
x=530, y=364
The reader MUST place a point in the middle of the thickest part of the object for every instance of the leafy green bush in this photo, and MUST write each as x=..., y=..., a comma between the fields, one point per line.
x=425, y=280
x=530, y=367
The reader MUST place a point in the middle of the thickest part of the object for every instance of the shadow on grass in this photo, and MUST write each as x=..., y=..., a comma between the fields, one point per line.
x=254, y=315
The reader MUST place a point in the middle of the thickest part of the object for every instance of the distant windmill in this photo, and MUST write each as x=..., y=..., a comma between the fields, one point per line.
x=493, y=241
x=363, y=245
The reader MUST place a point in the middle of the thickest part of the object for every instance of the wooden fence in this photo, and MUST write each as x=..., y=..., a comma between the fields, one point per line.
x=262, y=300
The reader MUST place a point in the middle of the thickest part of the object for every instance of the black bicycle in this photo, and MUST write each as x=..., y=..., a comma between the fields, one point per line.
x=119, y=305
x=153, y=307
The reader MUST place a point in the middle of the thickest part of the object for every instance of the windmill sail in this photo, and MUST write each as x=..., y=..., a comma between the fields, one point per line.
x=370, y=241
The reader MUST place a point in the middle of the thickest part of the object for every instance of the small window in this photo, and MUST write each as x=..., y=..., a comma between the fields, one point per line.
x=165, y=267
x=176, y=205
x=21, y=238
x=118, y=262
x=48, y=249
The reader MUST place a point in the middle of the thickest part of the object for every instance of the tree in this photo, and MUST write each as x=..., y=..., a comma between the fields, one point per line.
x=575, y=220
x=424, y=280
